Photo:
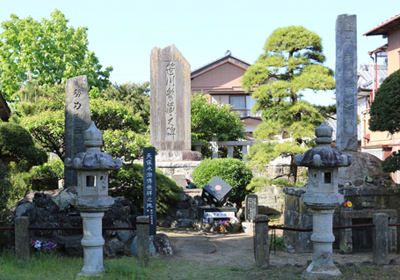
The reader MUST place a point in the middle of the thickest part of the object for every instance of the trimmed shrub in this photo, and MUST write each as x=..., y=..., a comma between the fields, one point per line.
x=16, y=144
x=128, y=182
x=233, y=171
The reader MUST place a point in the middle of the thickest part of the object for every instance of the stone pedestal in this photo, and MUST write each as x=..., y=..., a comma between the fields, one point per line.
x=92, y=243
x=322, y=265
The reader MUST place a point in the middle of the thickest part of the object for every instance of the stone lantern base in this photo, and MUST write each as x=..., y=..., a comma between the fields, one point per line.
x=321, y=272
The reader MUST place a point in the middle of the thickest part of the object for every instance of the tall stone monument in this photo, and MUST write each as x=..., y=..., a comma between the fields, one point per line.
x=170, y=122
x=346, y=83
x=77, y=120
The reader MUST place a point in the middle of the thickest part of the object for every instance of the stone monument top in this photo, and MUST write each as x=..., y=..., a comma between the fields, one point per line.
x=346, y=83
x=170, y=111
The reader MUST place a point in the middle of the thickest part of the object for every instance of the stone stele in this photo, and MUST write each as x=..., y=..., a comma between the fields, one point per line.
x=77, y=120
x=346, y=83
x=170, y=125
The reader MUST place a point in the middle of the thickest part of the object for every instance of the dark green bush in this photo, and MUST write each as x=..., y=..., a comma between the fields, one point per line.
x=128, y=182
x=46, y=176
x=5, y=188
x=16, y=144
x=233, y=171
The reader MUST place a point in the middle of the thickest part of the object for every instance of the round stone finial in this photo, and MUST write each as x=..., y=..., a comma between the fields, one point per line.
x=324, y=134
x=93, y=138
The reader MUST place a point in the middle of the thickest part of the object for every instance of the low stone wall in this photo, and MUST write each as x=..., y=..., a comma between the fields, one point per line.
x=366, y=202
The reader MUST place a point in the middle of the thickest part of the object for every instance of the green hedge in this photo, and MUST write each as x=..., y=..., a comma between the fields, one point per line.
x=233, y=171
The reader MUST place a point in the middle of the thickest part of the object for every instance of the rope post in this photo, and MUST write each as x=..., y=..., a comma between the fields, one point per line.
x=380, y=242
x=261, y=241
x=143, y=235
x=22, y=250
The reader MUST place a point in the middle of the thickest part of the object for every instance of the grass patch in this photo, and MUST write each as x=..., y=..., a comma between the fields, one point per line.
x=53, y=267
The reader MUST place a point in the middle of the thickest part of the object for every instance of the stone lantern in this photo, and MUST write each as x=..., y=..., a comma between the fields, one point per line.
x=92, y=199
x=322, y=197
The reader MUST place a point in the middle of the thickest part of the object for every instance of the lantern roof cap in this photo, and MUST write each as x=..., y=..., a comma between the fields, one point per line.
x=93, y=158
x=323, y=155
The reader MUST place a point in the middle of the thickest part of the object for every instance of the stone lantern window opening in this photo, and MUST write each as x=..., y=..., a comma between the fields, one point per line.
x=90, y=181
x=327, y=177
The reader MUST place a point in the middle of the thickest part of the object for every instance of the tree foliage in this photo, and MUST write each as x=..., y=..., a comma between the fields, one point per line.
x=133, y=95
x=49, y=51
x=385, y=115
x=128, y=182
x=291, y=63
x=213, y=120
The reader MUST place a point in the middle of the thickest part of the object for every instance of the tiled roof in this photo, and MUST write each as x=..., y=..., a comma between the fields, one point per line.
x=226, y=56
x=385, y=27
x=366, y=76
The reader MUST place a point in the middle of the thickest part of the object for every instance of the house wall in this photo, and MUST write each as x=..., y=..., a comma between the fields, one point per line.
x=224, y=77
x=393, y=51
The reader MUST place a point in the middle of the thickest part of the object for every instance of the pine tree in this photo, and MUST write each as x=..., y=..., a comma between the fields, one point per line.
x=291, y=63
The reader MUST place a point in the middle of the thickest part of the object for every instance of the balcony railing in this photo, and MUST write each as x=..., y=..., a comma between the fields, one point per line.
x=246, y=113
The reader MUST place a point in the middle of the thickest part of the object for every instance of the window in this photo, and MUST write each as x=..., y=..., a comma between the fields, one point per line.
x=243, y=104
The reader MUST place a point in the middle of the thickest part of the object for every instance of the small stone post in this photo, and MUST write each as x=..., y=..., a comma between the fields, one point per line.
x=244, y=152
x=261, y=241
x=230, y=151
x=380, y=241
x=22, y=249
x=143, y=240
x=214, y=147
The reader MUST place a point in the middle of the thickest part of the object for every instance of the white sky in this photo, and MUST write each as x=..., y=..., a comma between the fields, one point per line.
x=122, y=33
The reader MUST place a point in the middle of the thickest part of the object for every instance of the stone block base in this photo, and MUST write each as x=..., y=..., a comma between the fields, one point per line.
x=320, y=272
x=179, y=155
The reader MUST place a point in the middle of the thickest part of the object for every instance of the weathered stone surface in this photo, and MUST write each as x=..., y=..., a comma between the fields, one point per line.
x=44, y=212
x=181, y=223
x=143, y=240
x=77, y=119
x=261, y=241
x=346, y=83
x=170, y=100
x=179, y=155
x=22, y=249
x=134, y=247
x=115, y=247
x=23, y=208
x=365, y=171
x=162, y=244
x=380, y=243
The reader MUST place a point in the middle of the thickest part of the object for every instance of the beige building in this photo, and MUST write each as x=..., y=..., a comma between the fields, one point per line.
x=220, y=80
x=381, y=144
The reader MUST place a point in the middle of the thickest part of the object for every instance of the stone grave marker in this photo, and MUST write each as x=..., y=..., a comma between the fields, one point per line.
x=346, y=83
x=77, y=120
x=149, y=192
x=251, y=207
